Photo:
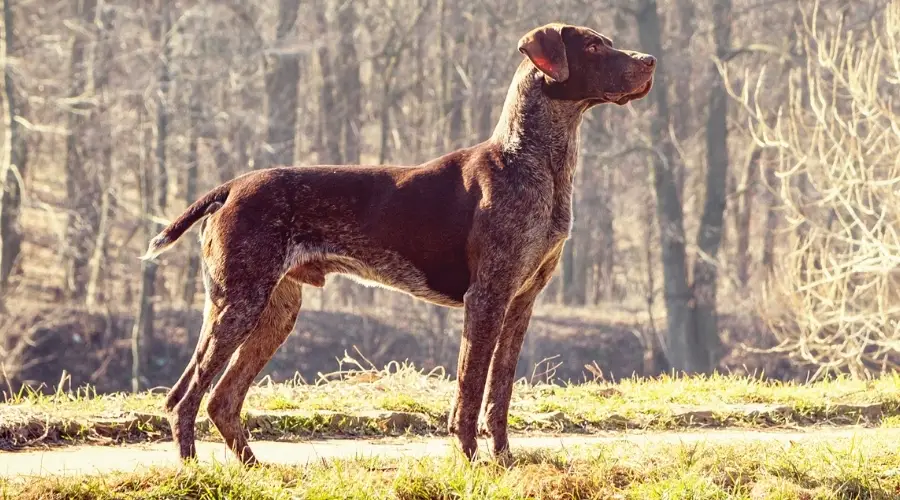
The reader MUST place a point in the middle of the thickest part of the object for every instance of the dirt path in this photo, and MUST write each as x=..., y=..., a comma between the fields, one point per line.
x=101, y=459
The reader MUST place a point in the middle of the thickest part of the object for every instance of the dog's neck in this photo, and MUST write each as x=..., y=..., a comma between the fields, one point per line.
x=536, y=132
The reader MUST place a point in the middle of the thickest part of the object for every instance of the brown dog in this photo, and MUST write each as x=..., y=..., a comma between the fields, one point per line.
x=480, y=228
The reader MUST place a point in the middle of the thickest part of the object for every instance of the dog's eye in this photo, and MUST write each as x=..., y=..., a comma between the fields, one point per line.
x=593, y=48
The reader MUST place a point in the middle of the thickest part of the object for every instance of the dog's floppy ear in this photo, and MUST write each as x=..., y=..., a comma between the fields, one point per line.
x=545, y=48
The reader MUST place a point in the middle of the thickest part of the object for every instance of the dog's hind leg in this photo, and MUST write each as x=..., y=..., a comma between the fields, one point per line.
x=235, y=303
x=177, y=391
x=275, y=325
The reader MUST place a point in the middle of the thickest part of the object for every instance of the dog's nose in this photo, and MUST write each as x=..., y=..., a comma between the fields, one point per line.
x=647, y=59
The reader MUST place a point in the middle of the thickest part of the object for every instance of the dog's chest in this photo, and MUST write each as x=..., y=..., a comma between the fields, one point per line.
x=561, y=215
x=560, y=226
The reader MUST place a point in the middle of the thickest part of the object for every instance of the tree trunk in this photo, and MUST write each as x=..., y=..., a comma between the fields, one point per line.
x=153, y=201
x=14, y=154
x=771, y=200
x=442, y=83
x=744, y=216
x=243, y=138
x=570, y=292
x=148, y=268
x=797, y=50
x=669, y=214
x=419, y=119
x=351, y=85
x=683, y=119
x=581, y=240
x=282, y=77
x=94, y=297
x=81, y=182
x=189, y=285
x=484, y=101
x=452, y=81
x=102, y=56
x=606, y=261
x=710, y=232
x=331, y=130
x=597, y=192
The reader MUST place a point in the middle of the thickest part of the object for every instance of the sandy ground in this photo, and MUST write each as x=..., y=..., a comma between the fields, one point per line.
x=102, y=459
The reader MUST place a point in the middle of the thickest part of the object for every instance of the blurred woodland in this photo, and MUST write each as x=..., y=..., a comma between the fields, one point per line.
x=742, y=217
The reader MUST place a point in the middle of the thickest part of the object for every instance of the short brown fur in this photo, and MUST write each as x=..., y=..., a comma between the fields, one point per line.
x=480, y=228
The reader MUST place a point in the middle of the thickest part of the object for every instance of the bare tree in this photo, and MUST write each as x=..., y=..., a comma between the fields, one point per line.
x=12, y=169
x=452, y=69
x=154, y=198
x=351, y=86
x=693, y=338
x=195, y=116
x=282, y=74
x=743, y=215
x=81, y=177
x=331, y=124
x=833, y=296
x=709, y=238
x=101, y=60
x=670, y=218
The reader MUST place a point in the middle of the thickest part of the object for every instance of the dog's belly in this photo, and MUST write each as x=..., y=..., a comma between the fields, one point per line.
x=383, y=269
x=428, y=294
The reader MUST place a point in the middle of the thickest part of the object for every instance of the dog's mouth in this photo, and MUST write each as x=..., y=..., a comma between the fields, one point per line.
x=622, y=98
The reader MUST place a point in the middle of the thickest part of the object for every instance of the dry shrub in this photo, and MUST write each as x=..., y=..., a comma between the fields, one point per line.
x=833, y=299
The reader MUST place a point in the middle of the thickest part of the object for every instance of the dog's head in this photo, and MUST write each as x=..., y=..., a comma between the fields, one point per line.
x=580, y=64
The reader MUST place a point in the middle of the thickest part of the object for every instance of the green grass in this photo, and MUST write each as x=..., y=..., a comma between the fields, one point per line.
x=838, y=469
x=402, y=399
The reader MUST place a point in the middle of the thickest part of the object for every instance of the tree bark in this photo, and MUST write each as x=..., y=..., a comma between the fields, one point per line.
x=420, y=112
x=570, y=292
x=14, y=154
x=684, y=116
x=153, y=202
x=670, y=218
x=452, y=81
x=350, y=82
x=148, y=268
x=189, y=285
x=582, y=243
x=331, y=126
x=771, y=200
x=81, y=181
x=744, y=216
x=282, y=77
x=484, y=102
x=711, y=222
x=606, y=260
x=101, y=61
x=384, y=118
x=228, y=149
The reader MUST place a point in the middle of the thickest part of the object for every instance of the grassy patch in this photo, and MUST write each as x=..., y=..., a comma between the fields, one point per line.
x=839, y=469
x=401, y=399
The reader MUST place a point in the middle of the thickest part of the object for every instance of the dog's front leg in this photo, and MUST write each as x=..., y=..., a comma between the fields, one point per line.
x=506, y=355
x=501, y=375
x=485, y=308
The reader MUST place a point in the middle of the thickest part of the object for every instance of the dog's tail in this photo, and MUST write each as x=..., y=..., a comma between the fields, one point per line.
x=207, y=205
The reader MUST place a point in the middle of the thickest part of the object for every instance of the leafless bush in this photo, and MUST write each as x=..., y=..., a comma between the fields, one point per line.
x=834, y=296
